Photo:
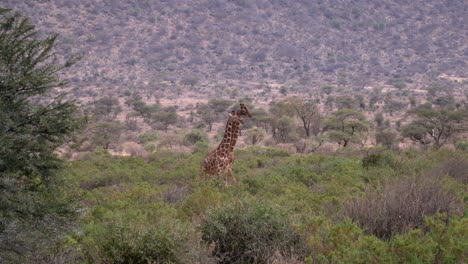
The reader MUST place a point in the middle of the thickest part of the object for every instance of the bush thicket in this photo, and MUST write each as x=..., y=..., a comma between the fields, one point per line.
x=250, y=233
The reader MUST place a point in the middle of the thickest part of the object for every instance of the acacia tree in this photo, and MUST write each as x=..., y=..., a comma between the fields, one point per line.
x=308, y=112
x=254, y=135
x=105, y=132
x=33, y=123
x=285, y=130
x=163, y=118
x=213, y=111
x=278, y=110
x=436, y=125
x=106, y=108
x=345, y=126
x=207, y=115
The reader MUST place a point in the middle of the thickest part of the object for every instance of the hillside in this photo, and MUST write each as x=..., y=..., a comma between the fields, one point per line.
x=138, y=44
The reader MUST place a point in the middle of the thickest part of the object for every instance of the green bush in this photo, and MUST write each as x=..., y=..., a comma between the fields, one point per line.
x=250, y=233
x=194, y=136
x=381, y=159
x=462, y=145
x=150, y=147
x=148, y=137
x=123, y=245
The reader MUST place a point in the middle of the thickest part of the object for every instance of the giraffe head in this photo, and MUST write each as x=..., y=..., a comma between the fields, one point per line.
x=244, y=111
x=235, y=117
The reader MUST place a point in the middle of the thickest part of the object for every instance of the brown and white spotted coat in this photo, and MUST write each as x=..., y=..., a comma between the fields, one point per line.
x=222, y=157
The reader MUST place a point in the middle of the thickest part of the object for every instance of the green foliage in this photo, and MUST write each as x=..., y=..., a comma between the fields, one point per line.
x=386, y=138
x=33, y=123
x=123, y=245
x=436, y=125
x=106, y=108
x=285, y=130
x=148, y=137
x=164, y=118
x=249, y=233
x=254, y=135
x=295, y=206
x=308, y=112
x=462, y=145
x=104, y=133
x=195, y=136
x=345, y=126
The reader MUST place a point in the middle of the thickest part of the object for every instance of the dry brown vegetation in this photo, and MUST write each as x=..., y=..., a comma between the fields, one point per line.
x=401, y=205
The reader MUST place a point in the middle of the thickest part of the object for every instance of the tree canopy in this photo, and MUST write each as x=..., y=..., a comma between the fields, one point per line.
x=345, y=126
x=436, y=125
x=308, y=112
x=34, y=120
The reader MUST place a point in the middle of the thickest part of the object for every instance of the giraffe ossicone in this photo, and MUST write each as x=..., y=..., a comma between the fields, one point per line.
x=222, y=158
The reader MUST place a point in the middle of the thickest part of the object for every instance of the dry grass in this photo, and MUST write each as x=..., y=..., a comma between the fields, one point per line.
x=402, y=205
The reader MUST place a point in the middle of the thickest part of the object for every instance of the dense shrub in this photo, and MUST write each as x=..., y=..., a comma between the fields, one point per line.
x=378, y=159
x=455, y=167
x=148, y=137
x=123, y=245
x=249, y=233
x=462, y=145
x=401, y=205
x=194, y=136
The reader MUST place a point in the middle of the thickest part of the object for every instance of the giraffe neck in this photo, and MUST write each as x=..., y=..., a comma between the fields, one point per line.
x=230, y=137
x=226, y=142
x=235, y=135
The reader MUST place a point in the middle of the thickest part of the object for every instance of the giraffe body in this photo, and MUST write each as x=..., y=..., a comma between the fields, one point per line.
x=222, y=158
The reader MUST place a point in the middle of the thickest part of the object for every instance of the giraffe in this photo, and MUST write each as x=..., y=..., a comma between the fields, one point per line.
x=222, y=157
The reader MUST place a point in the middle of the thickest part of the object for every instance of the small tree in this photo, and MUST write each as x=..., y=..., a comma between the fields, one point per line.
x=194, y=136
x=254, y=135
x=165, y=117
x=219, y=105
x=285, y=130
x=379, y=119
x=278, y=110
x=160, y=118
x=106, y=108
x=189, y=81
x=346, y=102
x=261, y=118
x=308, y=112
x=104, y=133
x=207, y=115
x=327, y=89
x=436, y=125
x=346, y=126
x=386, y=138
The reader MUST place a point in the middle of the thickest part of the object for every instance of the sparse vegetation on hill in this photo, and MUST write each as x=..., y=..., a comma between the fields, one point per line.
x=353, y=43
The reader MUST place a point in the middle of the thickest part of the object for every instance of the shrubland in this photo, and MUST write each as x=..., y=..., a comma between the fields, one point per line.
x=405, y=206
